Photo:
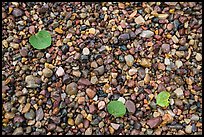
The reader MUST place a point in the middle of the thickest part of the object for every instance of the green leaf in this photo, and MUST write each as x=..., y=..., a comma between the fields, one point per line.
x=41, y=40
x=116, y=108
x=163, y=99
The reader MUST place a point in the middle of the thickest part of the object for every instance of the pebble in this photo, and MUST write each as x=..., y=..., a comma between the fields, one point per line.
x=90, y=93
x=178, y=63
x=39, y=114
x=165, y=48
x=101, y=105
x=161, y=66
x=71, y=89
x=179, y=92
x=139, y=20
x=92, y=31
x=167, y=61
x=60, y=72
x=84, y=81
x=145, y=63
x=17, y=12
x=115, y=126
x=78, y=119
x=194, y=117
x=154, y=122
x=129, y=60
x=124, y=37
x=188, y=129
x=81, y=100
x=198, y=57
x=86, y=51
x=24, y=52
x=146, y=34
x=92, y=108
x=58, y=30
x=9, y=115
x=18, y=131
x=30, y=115
x=26, y=108
x=122, y=99
x=31, y=81
x=94, y=80
x=70, y=121
x=132, y=71
x=141, y=73
x=51, y=127
x=76, y=73
x=162, y=16
x=7, y=106
x=130, y=106
x=175, y=39
x=94, y=64
x=47, y=72
x=88, y=131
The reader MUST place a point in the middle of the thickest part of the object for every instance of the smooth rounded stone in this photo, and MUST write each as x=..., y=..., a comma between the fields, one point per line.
x=71, y=89
x=94, y=80
x=9, y=115
x=65, y=49
x=141, y=73
x=101, y=105
x=30, y=115
x=178, y=63
x=198, y=57
x=90, y=93
x=146, y=34
x=139, y=20
x=14, y=45
x=24, y=52
x=7, y=106
x=92, y=31
x=154, y=122
x=32, y=29
x=179, y=80
x=26, y=108
x=39, y=114
x=78, y=119
x=47, y=72
x=88, y=131
x=18, y=131
x=161, y=66
x=162, y=16
x=167, y=61
x=188, y=129
x=66, y=79
x=92, y=108
x=179, y=92
x=60, y=72
x=81, y=100
x=194, y=117
x=169, y=26
x=94, y=64
x=84, y=81
x=130, y=106
x=122, y=99
x=76, y=73
x=129, y=60
x=165, y=48
x=132, y=71
x=115, y=126
x=175, y=39
x=31, y=81
x=145, y=63
x=51, y=127
x=5, y=43
x=17, y=12
x=40, y=55
x=70, y=121
x=100, y=70
x=83, y=15
x=124, y=37
x=178, y=102
x=85, y=51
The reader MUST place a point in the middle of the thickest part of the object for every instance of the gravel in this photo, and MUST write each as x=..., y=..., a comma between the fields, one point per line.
x=100, y=52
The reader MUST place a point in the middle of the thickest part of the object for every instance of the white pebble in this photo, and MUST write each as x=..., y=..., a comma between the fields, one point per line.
x=86, y=51
x=121, y=99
